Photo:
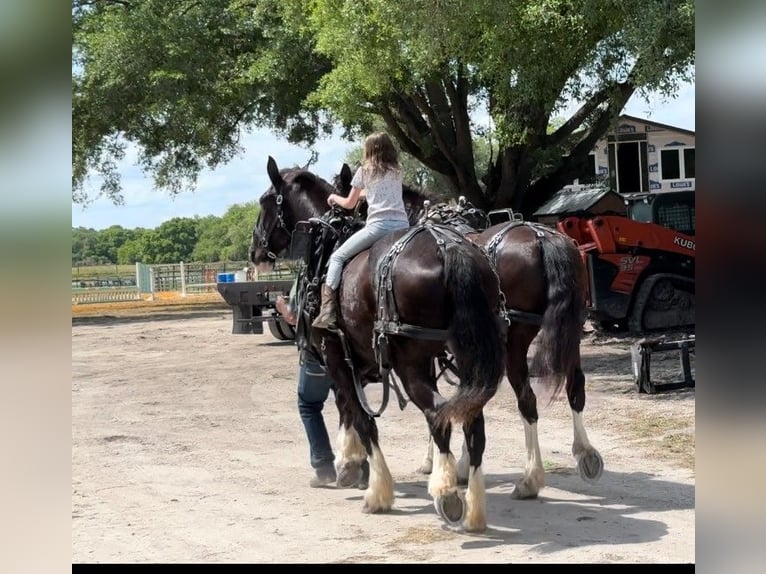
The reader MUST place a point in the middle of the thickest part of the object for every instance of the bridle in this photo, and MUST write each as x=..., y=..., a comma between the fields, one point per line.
x=279, y=223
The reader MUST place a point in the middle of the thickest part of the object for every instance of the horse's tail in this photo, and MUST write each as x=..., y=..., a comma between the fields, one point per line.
x=474, y=336
x=558, y=341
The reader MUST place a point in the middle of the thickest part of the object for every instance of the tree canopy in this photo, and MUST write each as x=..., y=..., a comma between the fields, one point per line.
x=182, y=79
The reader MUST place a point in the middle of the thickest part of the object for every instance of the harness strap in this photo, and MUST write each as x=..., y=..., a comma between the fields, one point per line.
x=414, y=331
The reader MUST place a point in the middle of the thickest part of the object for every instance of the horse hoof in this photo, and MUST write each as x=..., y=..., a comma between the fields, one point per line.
x=451, y=508
x=349, y=475
x=522, y=491
x=590, y=466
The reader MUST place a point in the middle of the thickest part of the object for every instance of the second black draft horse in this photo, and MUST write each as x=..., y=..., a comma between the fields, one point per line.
x=542, y=279
x=446, y=294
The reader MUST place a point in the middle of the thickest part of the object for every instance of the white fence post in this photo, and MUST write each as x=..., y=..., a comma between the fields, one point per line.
x=183, y=280
x=151, y=282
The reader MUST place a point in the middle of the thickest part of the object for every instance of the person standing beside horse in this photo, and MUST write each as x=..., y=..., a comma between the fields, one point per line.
x=380, y=178
x=313, y=389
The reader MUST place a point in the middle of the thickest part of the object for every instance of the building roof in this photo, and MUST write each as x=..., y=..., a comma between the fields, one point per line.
x=573, y=200
x=656, y=124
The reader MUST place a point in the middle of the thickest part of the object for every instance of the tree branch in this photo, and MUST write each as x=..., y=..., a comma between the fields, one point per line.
x=544, y=188
x=579, y=117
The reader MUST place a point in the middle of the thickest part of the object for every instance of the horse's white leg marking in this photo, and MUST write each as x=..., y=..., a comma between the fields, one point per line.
x=534, y=474
x=350, y=447
x=428, y=460
x=464, y=463
x=443, y=479
x=589, y=461
x=476, y=501
x=581, y=442
x=379, y=495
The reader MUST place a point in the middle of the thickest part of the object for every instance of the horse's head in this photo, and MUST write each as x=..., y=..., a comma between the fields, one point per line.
x=270, y=235
x=342, y=181
x=295, y=195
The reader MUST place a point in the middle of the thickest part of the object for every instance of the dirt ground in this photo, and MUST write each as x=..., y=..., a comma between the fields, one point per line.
x=187, y=447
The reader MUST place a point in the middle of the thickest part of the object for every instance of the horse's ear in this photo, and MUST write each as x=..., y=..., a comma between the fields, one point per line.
x=345, y=177
x=274, y=176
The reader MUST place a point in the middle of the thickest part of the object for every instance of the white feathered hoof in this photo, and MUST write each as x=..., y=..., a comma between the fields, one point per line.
x=451, y=508
x=590, y=465
x=524, y=490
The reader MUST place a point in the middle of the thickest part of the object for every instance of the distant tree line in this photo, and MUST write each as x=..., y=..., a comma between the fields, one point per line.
x=199, y=239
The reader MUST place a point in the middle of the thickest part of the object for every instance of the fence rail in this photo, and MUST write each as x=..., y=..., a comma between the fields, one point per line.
x=183, y=278
x=105, y=295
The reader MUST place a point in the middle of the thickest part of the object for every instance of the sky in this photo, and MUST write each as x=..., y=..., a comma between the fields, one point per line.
x=244, y=178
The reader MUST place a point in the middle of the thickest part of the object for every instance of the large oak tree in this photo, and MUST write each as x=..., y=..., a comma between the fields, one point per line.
x=182, y=79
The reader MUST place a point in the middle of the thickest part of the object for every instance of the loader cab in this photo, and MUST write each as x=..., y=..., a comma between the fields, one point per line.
x=674, y=210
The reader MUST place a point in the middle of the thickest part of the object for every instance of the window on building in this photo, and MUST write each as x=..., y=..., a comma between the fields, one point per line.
x=677, y=163
x=671, y=165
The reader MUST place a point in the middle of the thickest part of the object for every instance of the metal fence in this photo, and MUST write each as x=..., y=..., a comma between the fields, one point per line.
x=183, y=278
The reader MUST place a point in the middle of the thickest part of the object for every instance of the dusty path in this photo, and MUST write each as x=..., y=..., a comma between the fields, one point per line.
x=187, y=447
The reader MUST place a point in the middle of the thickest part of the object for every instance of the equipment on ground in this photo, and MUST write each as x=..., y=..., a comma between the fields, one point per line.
x=253, y=303
x=640, y=267
x=641, y=358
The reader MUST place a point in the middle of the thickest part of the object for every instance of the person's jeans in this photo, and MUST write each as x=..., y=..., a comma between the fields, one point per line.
x=313, y=388
x=359, y=241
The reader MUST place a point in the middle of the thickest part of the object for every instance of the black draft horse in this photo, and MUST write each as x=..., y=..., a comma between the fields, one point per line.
x=444, y=286
x=542, y=279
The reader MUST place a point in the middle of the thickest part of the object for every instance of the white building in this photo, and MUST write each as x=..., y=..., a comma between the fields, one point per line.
x=643, y=156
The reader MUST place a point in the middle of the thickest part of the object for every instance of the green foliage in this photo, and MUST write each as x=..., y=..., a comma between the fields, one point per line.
x=181, y=78
x=206, y=239
x=91, y=247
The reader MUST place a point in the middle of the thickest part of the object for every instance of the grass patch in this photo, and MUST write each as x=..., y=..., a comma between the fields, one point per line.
x=667, y=438
x=555, y=467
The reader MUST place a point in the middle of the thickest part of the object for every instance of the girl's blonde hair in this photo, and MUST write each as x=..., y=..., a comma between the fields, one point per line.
x=380, y=154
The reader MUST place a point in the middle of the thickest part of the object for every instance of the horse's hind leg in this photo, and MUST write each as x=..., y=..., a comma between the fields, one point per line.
x=517, y=370
x=590, y=465
x=462, y=468
x=476, y=506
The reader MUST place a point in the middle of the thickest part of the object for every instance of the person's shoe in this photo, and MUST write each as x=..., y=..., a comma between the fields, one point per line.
x=328, y=313
x=322, y=478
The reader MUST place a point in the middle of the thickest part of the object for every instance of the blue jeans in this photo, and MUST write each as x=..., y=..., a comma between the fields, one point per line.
x=313, y=388
x=358, y=242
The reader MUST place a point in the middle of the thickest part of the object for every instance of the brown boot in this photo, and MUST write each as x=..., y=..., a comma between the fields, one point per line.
x=328, y=314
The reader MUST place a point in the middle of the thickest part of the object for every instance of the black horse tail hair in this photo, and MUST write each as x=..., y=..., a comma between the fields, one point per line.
x=558, y=342
x=475, y=336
